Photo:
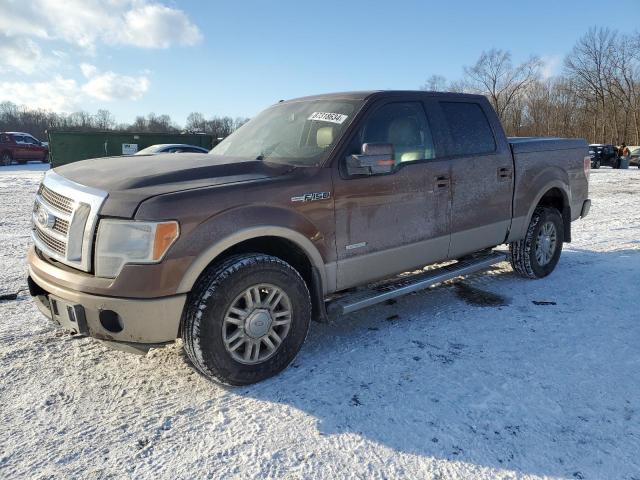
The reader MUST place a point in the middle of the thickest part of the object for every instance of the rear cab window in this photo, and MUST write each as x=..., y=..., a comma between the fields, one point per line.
x=469, y=128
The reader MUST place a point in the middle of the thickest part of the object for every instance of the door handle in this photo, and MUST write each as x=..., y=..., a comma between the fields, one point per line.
x=504, y=173
x=442, y=181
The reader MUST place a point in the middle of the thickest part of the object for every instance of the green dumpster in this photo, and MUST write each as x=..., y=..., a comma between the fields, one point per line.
x=68, y=146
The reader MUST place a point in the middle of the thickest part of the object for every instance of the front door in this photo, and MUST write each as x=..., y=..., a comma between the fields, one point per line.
x=393, y=222
x=481, y=178
x=34, y=148
x=22, y=148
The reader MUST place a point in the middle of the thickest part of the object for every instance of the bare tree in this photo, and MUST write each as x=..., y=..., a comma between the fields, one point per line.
x=596, y=97
x=435, y=83
x=104, y=120
x=36, y=122
x=196, y=123
x=625, y=84
x=495, y=76
x=590, y=67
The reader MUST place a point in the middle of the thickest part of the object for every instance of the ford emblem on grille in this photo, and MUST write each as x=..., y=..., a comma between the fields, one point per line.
x=45, y=219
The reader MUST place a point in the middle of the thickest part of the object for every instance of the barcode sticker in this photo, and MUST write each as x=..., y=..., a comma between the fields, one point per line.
x=328, y=117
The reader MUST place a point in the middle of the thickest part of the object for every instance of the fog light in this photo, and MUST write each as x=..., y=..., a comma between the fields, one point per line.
x=111, y=321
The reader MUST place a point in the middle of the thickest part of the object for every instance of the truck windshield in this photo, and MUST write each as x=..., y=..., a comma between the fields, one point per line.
x=299, y=133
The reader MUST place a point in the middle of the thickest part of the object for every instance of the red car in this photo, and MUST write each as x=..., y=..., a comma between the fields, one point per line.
x=21, y=147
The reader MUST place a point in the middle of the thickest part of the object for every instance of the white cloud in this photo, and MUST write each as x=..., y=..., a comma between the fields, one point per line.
x=88, y=70
x=22, y=55
x=66, y=95
x=550, y=65
x=110, y=86
x=58, y=94
x=82, y=27
x=157, y=26
x=86, y=23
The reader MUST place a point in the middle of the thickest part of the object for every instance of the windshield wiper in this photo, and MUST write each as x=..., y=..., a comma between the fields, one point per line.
x=267, y=151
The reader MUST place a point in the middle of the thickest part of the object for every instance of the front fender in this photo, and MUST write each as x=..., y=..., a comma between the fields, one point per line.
x=226, y=229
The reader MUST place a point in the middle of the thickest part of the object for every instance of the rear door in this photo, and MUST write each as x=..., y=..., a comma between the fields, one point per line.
x=481, y=177
x=389, y=223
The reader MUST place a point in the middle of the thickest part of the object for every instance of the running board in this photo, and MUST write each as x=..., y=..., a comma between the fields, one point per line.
x=372, y=296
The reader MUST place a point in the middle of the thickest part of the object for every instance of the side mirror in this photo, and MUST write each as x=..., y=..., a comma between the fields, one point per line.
x=376, y=158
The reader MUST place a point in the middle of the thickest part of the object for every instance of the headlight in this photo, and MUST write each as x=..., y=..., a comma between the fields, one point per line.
x=125, y=241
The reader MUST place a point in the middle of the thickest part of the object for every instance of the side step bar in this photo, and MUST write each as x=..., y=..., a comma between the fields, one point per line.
x=372, y=296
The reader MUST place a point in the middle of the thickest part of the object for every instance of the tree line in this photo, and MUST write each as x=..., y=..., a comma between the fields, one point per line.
x=38, y=121
x=596, y=96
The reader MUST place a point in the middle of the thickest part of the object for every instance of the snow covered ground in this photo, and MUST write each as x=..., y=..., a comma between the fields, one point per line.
x=522, y=379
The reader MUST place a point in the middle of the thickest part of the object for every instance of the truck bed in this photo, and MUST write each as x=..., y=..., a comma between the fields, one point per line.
x=541, y=163
x=542, y=144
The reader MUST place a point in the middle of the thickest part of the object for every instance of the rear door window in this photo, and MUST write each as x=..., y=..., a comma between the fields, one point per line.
x=469, y=128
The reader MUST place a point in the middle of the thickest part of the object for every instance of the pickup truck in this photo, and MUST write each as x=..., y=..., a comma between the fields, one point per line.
x=298, y=215
x=21, y=147
x=604, y=155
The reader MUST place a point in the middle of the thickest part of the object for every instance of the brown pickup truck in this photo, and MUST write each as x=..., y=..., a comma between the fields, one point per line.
x=292, y=218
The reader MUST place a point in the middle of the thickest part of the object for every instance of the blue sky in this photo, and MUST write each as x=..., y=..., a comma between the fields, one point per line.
x=236, y=57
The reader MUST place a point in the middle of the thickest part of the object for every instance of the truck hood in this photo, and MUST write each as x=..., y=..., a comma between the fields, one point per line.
x=129, y=180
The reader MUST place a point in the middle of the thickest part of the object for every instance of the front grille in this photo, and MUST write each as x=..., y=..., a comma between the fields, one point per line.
x=51, y=242
x=65, y=216
x=56, y=200
x=61, y=226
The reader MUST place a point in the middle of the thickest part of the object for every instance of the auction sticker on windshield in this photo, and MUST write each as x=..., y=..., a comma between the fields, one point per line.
x=328, y=117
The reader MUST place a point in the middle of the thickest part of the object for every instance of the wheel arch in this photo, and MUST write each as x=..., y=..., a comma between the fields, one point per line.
x=288, y=245
x=556, y=195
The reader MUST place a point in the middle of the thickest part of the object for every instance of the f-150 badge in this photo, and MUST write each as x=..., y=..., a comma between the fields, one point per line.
x=311, y=197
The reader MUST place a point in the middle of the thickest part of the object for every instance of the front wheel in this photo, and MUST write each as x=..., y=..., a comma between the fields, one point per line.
x=596, y=165
x=246, y=319
x=538, y=253
x=45, y=159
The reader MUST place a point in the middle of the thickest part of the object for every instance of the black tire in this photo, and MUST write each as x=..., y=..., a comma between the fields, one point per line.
x=5, y=159
x=216, y=291
x=45, y=159
x=21, y=162
x=596, y=165
x=523, y=252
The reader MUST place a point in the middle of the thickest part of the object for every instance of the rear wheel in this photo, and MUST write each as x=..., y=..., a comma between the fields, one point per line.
x=246, y=319
x=45, y=159
x=538, y=253
x=5, y=159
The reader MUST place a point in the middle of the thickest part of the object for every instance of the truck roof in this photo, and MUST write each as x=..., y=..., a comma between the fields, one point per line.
x=365, y=94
